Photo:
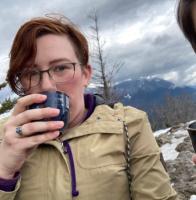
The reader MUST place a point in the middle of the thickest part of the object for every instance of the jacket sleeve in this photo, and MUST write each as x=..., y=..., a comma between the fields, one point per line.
x=10, y=195
x=149, y=178
x=9, y=185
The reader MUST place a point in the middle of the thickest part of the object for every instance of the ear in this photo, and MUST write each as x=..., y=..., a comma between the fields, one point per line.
x=87, y=73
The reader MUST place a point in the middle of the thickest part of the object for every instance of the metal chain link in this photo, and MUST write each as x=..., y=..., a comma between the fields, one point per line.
x=128, y=157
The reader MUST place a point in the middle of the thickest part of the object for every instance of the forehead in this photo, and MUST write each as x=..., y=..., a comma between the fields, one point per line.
x=52, y=47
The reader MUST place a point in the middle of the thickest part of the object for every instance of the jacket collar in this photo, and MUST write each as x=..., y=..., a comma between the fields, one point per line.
x=104, y=119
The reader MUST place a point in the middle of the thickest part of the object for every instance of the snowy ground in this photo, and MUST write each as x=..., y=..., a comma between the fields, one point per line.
x=193, y=197
x=4, y=115
x=160, y=132
x=167, y=149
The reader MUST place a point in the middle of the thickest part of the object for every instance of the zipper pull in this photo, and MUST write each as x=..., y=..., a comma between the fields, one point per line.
x=63, y=148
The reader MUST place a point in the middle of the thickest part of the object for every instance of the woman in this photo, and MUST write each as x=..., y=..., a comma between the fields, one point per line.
x=92, y=163
x=186, y=16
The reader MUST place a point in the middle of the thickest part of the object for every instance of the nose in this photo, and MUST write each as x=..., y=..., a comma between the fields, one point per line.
x=47, y=83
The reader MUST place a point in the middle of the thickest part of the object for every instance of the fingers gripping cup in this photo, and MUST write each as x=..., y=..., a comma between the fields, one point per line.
x=192, y=133
x=58, y=100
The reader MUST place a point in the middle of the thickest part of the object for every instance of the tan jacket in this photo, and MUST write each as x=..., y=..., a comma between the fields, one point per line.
x=98, y=148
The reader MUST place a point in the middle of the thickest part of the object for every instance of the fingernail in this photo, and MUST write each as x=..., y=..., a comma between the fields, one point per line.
x=60, y=123
x=44, y=96
x=56, y=110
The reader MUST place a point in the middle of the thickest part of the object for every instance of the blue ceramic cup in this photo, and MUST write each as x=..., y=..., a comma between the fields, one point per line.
x=58, y=100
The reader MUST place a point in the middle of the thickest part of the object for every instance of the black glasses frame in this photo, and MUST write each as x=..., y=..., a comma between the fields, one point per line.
x=41, y=72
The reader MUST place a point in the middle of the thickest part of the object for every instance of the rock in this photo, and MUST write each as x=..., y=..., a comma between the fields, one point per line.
x=177, y=127
x=185, y=146
x=163, y=139
x=182, y=173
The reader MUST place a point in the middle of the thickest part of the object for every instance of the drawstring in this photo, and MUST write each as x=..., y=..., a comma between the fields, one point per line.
x=67, y=149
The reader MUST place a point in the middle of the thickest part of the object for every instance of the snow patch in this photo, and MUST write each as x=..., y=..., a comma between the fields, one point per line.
x=168, y=150
x=160, y=132
x=193, y=197
x=6, y=114
x=128, y=96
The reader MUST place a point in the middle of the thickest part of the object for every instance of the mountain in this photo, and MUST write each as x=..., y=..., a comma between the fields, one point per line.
x=146, y=92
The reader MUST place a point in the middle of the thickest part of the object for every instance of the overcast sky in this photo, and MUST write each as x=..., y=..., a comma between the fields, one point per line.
x=143, y=34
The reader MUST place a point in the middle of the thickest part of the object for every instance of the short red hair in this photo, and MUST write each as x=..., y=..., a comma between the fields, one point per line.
x=23, y=50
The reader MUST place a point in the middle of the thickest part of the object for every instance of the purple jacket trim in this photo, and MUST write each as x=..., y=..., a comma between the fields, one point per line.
x=67, y=149
x=9, y=185
x=89, y=100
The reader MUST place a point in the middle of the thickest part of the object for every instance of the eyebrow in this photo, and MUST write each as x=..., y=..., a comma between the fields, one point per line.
x=59, y=60
x=55, y=61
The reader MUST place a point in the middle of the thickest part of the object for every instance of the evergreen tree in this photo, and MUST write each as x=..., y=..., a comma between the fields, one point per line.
x=7, y=105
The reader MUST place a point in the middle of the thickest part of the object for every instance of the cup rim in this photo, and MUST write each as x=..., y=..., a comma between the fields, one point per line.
x=191, y=129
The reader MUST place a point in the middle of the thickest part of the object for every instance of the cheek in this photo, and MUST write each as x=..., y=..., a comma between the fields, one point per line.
x=75, y=91
x=72, y=88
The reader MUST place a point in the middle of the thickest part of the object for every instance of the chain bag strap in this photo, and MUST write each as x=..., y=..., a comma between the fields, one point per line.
x=128, y=156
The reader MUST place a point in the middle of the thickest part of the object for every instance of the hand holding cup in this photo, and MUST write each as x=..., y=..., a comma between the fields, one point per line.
x=20, y=133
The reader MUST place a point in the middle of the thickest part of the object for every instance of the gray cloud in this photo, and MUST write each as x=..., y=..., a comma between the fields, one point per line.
x=153, y=53
x=159, y=55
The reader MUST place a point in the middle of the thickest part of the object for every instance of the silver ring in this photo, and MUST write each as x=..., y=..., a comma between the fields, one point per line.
x=19, y=131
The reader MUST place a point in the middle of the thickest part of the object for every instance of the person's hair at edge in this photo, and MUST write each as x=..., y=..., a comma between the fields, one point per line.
x=23, y=50
x=185, y=20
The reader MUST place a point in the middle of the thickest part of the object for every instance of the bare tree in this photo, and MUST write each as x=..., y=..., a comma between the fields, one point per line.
x=175, y=110
x=104, y=73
